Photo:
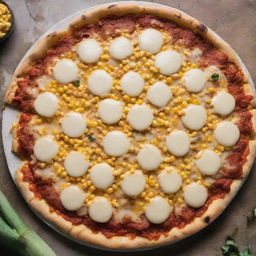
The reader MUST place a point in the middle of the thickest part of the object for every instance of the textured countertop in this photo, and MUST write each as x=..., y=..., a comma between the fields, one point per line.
x=234, y=20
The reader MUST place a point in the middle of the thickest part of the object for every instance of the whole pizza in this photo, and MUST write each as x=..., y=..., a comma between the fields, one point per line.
x=136, y=126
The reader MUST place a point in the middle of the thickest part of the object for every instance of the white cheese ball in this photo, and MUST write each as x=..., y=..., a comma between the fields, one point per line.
x=195, y=195
x=151, y=40
x=223, y=103
x=46, y=104
x=149, y=157
x=168, y=62
x=100, y=82
x=132, y=83
x=195, y=80
x=89, y=50
x=169, y=180
x=121, y=48
x=159, y=94
x=72, y=198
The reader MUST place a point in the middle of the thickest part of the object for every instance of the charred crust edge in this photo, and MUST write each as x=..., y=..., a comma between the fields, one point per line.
x=207, y=219
x=202, y=28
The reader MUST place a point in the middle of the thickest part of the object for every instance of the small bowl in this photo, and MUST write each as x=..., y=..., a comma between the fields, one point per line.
x=9, y=32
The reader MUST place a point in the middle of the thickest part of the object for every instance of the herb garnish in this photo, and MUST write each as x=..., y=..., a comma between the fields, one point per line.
x=76, y=83
x=252, y=218
x=215, y=77
x=230, y=248
x=91, y=138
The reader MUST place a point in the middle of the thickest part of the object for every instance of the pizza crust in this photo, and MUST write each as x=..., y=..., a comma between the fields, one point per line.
x=81, y=232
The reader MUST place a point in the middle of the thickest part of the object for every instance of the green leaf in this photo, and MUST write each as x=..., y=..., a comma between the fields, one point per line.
x=215, y=77
x=76, y=83
x=91, y=138
x=246, y=252
x=230, y=248
x=252, y=218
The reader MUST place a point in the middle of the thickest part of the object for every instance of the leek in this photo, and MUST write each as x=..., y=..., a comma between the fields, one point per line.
x=16, y=235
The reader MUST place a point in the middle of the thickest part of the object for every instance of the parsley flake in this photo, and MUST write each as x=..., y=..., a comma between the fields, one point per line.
x=76, y=83
x=91, y=138
x=215, y=77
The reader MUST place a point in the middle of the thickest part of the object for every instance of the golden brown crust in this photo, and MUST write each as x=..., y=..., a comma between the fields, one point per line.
x=81, y=232
x=250, y=158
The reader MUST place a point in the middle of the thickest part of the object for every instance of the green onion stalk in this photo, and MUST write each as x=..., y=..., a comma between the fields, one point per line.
x=17, y=235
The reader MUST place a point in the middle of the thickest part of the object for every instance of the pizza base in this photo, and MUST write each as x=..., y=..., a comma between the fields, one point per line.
x=81, y=232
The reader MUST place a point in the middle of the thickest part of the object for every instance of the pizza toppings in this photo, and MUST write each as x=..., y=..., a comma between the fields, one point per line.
x=75, y=164
x=169, y=180
x=195, y=195
x=226, y=133
x=73, y=124
x=72, y=198
x=168, y=62
x=151, y=40
x=101, y=175
x=65, y=71
x=133, y=183
x=209, y=162
x=159, y=94
x=110, y=111
x=195, y=117
x=100, y=210
x=178, y=143
x=140, y=117
x=116, y=143
x=100, y=82
x=158, y=210
x=132, y=83
x=46, y=104
x=194, y=80
x=149, y=157
x=89, y=51
x=120, y=48
x=45, y=149
x=224, y=103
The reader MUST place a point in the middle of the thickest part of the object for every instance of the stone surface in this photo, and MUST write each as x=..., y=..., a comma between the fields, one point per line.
x=233, y=20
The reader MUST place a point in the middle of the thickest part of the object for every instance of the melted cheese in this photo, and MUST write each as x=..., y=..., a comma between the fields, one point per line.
x=195, y=195
x=223, y=103
x=72, y=198
x=151, y=40
x=73, y=124
x=195, y=117
x=45, y=149
x=158, y=210
x=89, y=51
x=75, y=164
x=194, y=80
x=178, y=143
x=140, y=117
x=209, y=162
x=168, y=62
x=100, y=210
x=170, y=181
x=116, y=143
x=120, y=48
x=133, y=184
x=159, y=94
x=65, y=71
x=110, y=111
x=100, y=82
x=226, y=133
x=149, y=157
x=101, y=175
x=132, y=83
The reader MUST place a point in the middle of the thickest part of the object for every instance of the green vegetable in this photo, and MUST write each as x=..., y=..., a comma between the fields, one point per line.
x=215, y=77
x=76, y=83
x=16, y=235
x=252, y=218
x=91, y=138
x=230, y=248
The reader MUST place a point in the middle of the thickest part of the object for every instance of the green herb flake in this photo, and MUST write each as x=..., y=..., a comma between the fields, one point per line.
x=91, y=138
x=246, y=252
x=252, y=218
x=215, y=77
x=230, y=248
x=76, y=83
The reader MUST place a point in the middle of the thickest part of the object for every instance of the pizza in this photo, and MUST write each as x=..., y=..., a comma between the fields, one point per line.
x=136, y=126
